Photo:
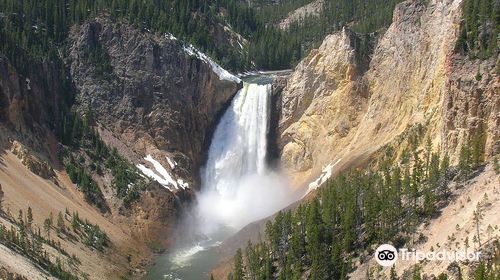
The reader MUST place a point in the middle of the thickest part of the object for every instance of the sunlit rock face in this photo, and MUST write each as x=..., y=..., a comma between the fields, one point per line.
x=321, y=104
x=334, y=108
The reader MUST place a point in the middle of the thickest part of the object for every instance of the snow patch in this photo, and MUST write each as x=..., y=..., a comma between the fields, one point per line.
x=325, y=175
x=221, y=72
x=170, y=37
x=172, y=163
x=150, y=173
x=161, y=170
x=182, y=184
x=164, y=178
x=192, y=51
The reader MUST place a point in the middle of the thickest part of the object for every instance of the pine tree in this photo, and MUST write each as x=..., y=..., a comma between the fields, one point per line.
x=253, y=261
x=465, y=162
x=416, y=274
x=432, y=184
x=29, y=218
x=47, y=226
x=75, y=221
x=478, y=217
x=480, y=273
x=238, y=266
x=443, y=187
x=336, y=261
x=394, y=275
x=60, y=223
x=314, y=239
x=2, y=194
x=20, y=218
x=478, y=142
x=442, y=276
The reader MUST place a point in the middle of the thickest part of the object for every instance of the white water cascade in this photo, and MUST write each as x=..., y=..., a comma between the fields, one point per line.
x=238, y=187
x=239, y=144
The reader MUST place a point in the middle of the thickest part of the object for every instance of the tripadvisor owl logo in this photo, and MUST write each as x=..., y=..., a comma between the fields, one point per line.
x=386, y=255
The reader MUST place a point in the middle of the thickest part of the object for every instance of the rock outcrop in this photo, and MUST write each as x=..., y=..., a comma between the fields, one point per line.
x=30, y=102
x=32, y=162
x=471, y=105
x=334, y=113
x=321, y=105
x=309, y=10
x=152, y=97
x=157, y=97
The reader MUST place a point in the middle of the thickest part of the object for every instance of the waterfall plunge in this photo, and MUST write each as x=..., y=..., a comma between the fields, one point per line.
x=239, y=144
x=238, y=188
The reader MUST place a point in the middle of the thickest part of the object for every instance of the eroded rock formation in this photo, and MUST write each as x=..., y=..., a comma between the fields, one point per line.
x=333, y=111
x=149, y=94
x=157, y=99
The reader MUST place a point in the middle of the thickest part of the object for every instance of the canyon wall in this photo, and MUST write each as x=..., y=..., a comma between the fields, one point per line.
x=358, y=98
x=158, y=99
x=334, y=114
x=149, y=95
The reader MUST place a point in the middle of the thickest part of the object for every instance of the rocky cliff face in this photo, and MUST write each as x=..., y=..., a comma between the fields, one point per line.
x=333, y=113
x=30, y=102
x=322, y=103
x=471, y=105
x=156, y=98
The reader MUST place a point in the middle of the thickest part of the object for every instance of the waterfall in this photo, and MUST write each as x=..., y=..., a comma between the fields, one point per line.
x=237, y=185
x=239, y=145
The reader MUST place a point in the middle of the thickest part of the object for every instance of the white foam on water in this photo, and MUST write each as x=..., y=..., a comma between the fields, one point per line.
x=182, y=257
x=238, y=187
